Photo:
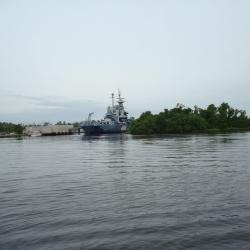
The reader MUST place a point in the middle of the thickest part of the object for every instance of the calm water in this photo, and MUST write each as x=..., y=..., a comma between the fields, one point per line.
x=123, y=192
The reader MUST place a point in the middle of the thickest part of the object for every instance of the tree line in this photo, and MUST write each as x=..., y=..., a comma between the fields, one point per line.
x=8, y=127
x=181, y=119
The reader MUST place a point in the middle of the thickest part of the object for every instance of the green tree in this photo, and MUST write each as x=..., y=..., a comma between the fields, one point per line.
x=181, y=119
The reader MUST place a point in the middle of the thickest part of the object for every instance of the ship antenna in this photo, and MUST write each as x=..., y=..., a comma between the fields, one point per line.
x=112, y=101
x=119, y=94
x=120, y=99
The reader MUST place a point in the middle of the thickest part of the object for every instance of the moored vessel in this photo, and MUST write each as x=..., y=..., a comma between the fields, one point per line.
x=115, y=120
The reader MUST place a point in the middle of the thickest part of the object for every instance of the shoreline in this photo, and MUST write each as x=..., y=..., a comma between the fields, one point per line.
x=10, y=135
x=205, y=131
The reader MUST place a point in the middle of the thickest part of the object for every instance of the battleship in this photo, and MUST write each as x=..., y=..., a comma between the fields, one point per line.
x=115, y=120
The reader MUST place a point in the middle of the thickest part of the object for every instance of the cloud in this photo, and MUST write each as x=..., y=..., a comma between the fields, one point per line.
x=27, y=109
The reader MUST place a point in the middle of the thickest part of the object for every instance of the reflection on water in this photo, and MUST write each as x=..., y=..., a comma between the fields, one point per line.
x=125, y=192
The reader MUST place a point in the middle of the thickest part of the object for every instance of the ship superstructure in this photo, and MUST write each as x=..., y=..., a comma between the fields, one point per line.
x=115, y=119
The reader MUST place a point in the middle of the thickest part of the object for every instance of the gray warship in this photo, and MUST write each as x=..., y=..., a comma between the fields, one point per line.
x=115, y=120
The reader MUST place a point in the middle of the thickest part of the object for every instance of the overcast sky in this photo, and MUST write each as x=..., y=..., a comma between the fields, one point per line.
x=60, y=60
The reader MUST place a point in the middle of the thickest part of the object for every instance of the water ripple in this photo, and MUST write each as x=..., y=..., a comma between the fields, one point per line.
x=125, y=192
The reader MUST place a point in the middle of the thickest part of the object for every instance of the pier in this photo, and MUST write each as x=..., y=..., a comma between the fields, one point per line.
x=52, y=130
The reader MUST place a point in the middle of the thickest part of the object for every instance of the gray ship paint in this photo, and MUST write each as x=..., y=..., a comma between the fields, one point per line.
x=115, y=120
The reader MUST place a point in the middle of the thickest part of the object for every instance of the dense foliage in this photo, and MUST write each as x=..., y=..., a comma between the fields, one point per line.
x=7, y=128
x=183, y=120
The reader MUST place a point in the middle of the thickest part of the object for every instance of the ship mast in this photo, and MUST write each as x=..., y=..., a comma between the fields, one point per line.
x=121, y=112
x=113, y=105
x=89, y=117
x=120, y=99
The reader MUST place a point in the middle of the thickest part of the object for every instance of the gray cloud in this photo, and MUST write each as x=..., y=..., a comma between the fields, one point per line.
x=50, y=108
x=58, y=56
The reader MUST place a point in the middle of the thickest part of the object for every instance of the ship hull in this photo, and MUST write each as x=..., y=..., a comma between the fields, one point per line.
x=102, y=129
x=92, y=130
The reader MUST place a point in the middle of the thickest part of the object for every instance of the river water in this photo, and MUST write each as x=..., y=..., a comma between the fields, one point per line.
x=124, y=192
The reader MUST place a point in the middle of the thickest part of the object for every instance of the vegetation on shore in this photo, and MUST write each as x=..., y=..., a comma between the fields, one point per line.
x=182, y=119
x=11, y=128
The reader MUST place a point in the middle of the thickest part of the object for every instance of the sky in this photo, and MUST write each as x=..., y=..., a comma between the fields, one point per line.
x=60, y=60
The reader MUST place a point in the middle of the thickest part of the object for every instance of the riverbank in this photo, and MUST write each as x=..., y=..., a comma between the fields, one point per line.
x=12, y=135
x=206, y=131
x=226, y=130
